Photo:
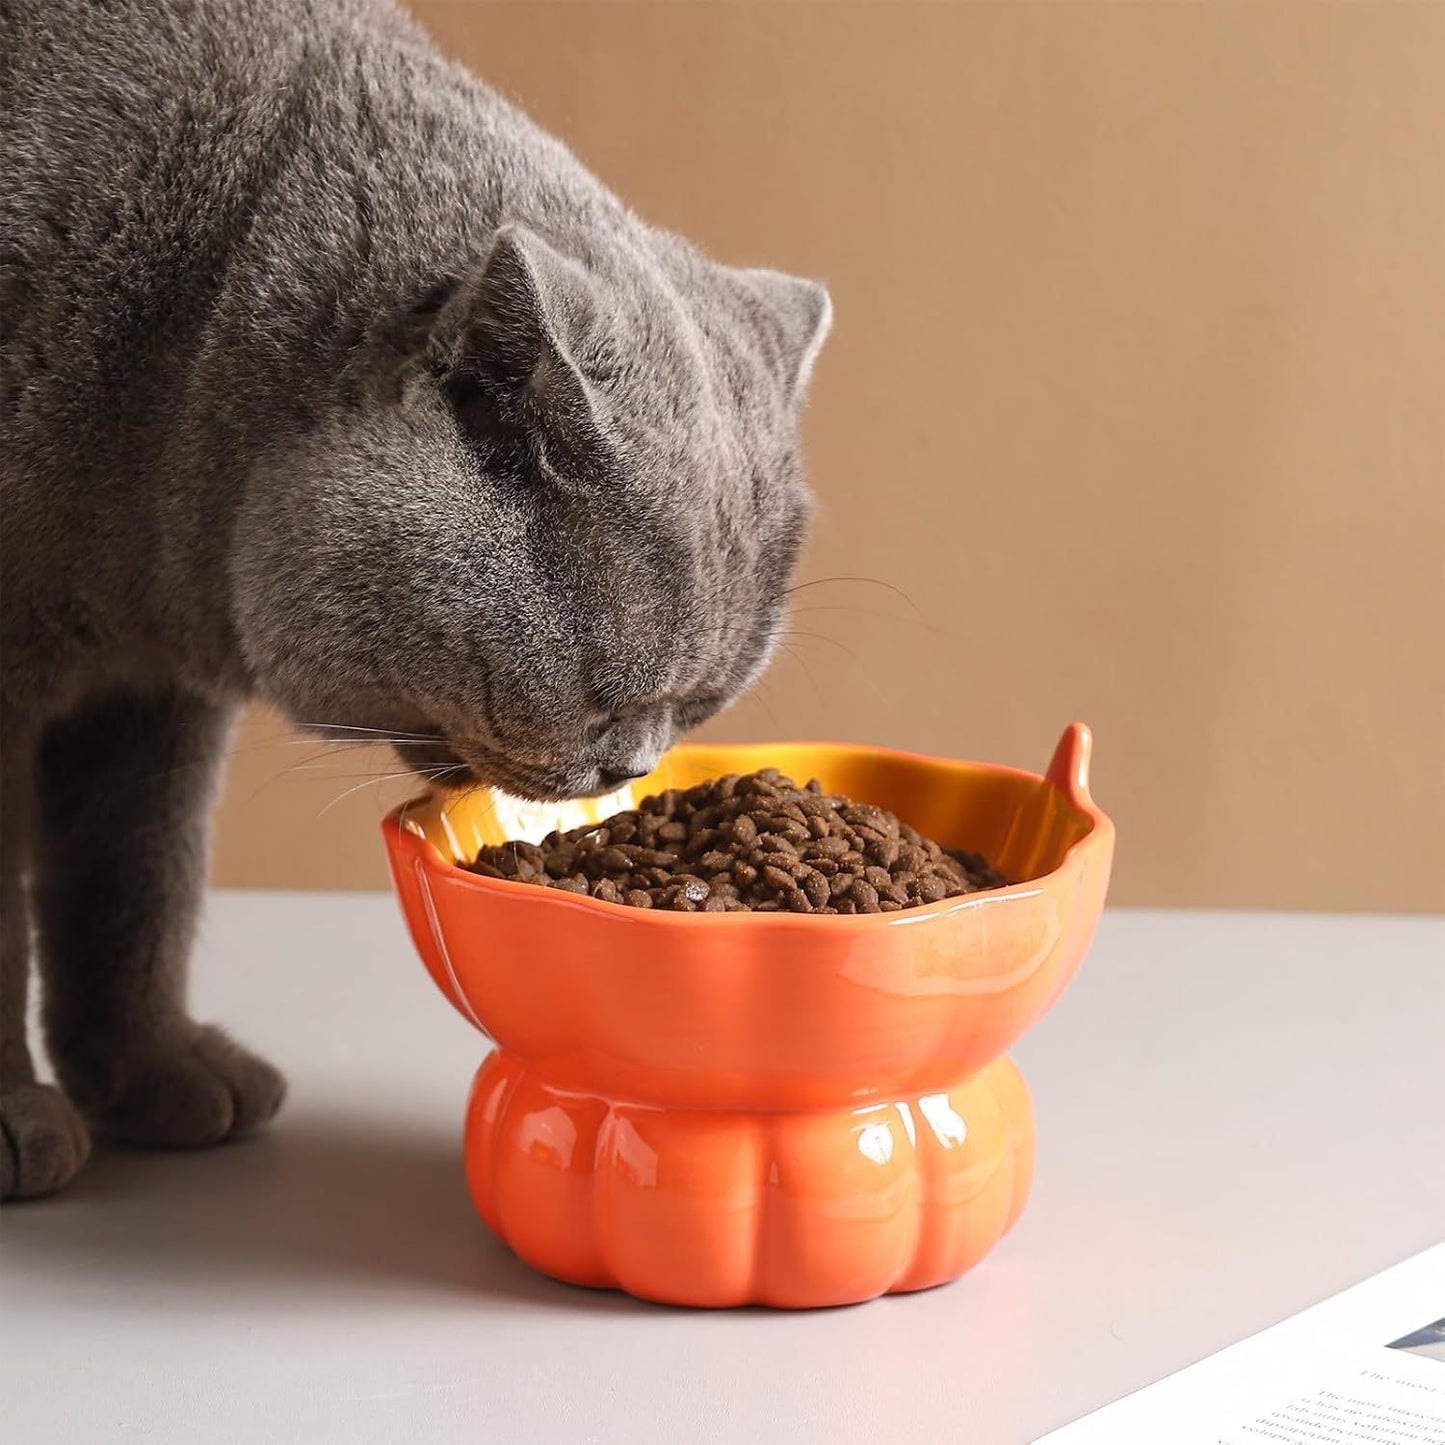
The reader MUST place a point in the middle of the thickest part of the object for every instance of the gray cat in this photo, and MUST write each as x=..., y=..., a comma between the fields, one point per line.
x=327, y=377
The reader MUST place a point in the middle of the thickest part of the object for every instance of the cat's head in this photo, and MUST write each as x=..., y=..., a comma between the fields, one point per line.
x=549, y=523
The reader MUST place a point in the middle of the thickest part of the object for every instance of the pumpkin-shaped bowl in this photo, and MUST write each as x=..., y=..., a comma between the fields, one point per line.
x=760, y=1107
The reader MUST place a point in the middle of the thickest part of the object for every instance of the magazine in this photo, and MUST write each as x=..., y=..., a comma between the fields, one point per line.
x=1366, y=1367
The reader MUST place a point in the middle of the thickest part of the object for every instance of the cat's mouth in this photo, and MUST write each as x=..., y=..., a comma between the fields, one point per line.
x=436, y=762
x=442, y=765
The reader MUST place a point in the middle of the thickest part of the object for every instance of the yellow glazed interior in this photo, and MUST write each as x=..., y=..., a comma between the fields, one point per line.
x=1017, y=820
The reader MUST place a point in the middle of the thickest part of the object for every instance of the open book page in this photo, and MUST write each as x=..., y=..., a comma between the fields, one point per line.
x=1364, y=1368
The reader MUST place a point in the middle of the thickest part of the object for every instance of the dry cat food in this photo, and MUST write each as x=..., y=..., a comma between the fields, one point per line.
x=750, y=843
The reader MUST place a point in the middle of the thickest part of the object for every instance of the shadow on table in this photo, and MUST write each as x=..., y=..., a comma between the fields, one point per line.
x=315, y=1201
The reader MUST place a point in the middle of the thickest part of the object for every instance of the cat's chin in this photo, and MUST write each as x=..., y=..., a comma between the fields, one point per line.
x=448, y=768
x=438, y=764
x=533, y=787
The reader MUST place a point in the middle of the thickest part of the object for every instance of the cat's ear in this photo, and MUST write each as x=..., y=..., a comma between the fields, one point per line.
x=510, y=319
x=503, y=341
x=497, y=336
x=793, y=316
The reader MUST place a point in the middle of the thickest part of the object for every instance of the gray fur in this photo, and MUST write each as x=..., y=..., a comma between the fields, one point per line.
x=328, y=378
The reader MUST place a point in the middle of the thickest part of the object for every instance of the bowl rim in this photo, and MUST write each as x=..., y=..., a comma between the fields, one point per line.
x=1068, y=772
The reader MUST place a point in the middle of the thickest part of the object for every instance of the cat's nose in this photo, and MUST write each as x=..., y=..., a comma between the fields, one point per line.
x=614, y=778
x=634, y=759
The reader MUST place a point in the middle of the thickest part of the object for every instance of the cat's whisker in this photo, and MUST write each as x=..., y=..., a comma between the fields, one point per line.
x=785, y=646
x=457, y=794
x=765, y=702
x=921, y=622
x=341, y=745
x=426, y=774
x=320, y=762
x=329, y=776
x=385, y=734
x=158, y=775
x=862, y=581
x=865, y=674
x=794, y=635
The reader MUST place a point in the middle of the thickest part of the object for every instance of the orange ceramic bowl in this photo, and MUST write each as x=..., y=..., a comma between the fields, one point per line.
x=719, y=1109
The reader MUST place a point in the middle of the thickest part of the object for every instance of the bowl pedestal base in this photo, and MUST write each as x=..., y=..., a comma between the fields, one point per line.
x=713, y=1208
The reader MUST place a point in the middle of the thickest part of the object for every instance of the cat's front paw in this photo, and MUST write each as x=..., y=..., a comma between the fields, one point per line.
x=199, y=1090
x=43, y=1141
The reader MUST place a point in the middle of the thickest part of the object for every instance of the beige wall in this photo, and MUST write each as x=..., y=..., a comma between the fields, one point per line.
x=1134, y=390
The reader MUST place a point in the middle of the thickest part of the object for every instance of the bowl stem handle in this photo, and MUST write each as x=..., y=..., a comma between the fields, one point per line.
x=1069, y=770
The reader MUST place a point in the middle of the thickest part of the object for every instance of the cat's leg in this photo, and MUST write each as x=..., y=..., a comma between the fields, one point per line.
x=126, y=788
x=43, y=1141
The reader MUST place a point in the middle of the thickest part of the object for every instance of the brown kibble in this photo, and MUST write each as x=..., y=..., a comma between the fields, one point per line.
x=816, y=887
x=695, y=889
x=778, y=878
x=703, y=819
x=753, y=842
x=865, y=896
x=932, y=889
x=788, y=830
x=788, y=862
x=561, y=861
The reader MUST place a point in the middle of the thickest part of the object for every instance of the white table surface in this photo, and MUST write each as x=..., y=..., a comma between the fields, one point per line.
x=1238, y=1115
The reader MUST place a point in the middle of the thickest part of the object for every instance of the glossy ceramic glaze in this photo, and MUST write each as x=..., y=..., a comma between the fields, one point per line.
x=789, y=1109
